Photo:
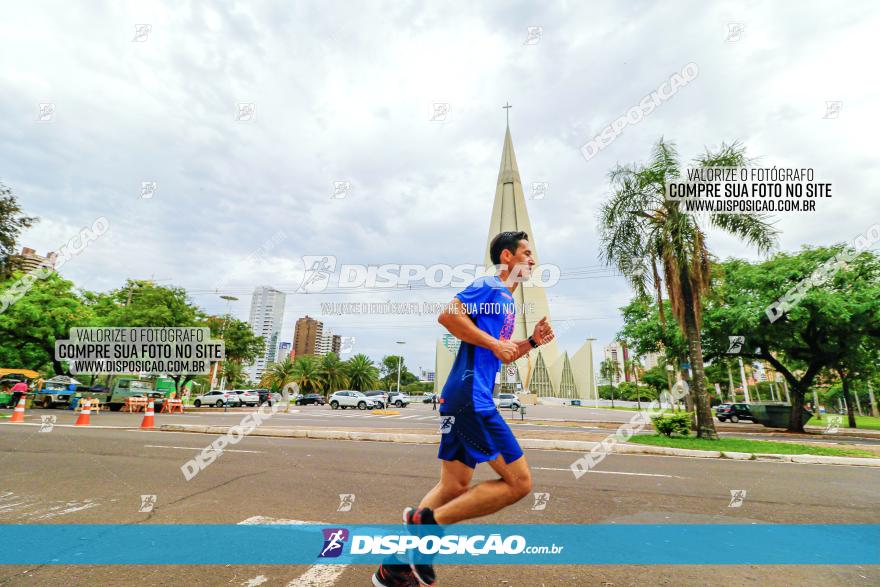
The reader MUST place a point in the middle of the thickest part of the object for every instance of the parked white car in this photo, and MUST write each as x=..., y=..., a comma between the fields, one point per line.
x=247, y=397
x=399, y=399
x=351, y=399
x=219, y=398
x=507, y=400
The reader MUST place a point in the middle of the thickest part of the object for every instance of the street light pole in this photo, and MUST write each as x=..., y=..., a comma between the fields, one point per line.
x=399, y=361
x=228, y=299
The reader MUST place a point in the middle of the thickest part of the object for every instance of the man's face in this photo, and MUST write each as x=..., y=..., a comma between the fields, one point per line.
x=519, y=264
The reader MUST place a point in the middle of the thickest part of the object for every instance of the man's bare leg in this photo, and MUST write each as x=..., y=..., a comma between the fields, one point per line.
x=455, y=479
x=452, y=501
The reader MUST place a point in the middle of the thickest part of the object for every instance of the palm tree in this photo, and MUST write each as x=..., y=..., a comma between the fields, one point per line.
x=307, y=374
x=233, y=371
x=610, y=370
x=277, y=375
x=641, y=230
x=333, y=372
x=362, y=373
x=632, y=367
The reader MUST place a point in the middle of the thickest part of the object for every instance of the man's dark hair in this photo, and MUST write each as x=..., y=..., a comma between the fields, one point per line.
x=505, y=241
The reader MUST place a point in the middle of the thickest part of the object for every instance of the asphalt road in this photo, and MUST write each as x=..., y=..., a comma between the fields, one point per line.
x=421, y=416
x=97, y=475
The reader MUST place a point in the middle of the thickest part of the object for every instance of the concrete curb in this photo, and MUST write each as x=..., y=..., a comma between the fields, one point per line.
x=529, y=443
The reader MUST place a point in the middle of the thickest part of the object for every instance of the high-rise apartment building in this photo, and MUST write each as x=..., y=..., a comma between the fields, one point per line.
x=308, y=337
x=267, y=314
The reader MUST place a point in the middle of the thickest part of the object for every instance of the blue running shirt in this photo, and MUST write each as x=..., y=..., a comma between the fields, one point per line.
x=472, y=378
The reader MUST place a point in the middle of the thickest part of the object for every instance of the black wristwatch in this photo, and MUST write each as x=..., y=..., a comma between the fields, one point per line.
x=533, y=343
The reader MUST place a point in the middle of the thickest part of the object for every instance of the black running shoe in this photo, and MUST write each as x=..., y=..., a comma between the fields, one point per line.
x=424, y=517
x=394, y=575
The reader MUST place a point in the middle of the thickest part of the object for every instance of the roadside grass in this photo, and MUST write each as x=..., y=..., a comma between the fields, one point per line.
x=647, y=403
x=864, y=422
x=750, y=446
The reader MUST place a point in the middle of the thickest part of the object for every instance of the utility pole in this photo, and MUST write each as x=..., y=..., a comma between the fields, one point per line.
x=730, y=388
x=874, y=411
x=742, y=376
x=399, y=361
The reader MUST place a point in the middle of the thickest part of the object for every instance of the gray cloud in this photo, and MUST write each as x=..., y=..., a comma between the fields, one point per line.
x=343, y=92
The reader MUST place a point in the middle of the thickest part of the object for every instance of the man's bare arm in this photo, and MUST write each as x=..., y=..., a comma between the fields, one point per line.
x=458, y=323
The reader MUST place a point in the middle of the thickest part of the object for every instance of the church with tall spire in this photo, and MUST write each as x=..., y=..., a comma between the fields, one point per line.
x=546, y=372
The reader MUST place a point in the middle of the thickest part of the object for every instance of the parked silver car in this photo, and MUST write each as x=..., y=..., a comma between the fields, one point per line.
x=219, y=398
x=507, y=400
x=351, y=399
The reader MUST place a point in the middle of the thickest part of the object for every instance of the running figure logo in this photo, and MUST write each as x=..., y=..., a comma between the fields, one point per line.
x=318, y=269
x=334, y=541
x=446, y=423
x=147, y=503
x=47, y=423
x=736, y=344
x=737, y=497
x=541, y=501
x=346, y=501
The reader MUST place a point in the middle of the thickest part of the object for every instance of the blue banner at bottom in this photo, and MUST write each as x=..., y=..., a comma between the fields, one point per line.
x=524, y=544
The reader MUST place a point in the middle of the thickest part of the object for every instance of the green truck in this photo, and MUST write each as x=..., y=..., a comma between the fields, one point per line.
x=127, y=387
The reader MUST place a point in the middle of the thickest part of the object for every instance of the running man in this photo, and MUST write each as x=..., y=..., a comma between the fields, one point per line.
x=472, y=431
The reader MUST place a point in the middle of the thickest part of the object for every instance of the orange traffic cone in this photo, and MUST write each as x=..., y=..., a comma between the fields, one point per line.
x=84, y=415
x=147, y=422
x=18, y=413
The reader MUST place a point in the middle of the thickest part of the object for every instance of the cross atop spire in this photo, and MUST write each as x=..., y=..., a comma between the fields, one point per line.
x=507, y=107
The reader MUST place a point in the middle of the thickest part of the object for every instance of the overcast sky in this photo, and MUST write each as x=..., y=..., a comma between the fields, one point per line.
x=345, y=92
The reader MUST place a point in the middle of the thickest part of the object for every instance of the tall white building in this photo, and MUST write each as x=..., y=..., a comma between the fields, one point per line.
x=267, y=314
x=324, y=344
x=618, y=353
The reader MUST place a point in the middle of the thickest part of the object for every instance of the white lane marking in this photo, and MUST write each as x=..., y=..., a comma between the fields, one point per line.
x=25, y=507
x=428, y=418
x=68, y=425
x=609, y=472
x=406, y=417
x=316, y=575
x=319, y=576
x=197, y=448
x=72, y=507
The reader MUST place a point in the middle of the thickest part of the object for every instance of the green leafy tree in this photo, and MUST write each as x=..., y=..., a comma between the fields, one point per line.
x=645, y=330
x=145, y=304
x=12, y=222
x=30, y=326
x=389, y=372
x=362, y=373
x=656, y=379
x=642, y=230
x=240, y=344
x=827, y=326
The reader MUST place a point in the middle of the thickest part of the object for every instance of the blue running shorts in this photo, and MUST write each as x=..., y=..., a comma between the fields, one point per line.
x=476, y=437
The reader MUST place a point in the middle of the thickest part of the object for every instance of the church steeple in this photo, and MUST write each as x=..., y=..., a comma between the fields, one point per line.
x=544, y=372
x=509, y=209
x=509, y=213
